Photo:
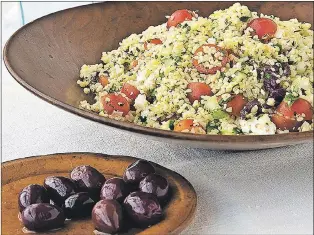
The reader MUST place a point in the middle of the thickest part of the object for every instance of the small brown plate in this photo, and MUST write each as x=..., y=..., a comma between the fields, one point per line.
x=17, y=174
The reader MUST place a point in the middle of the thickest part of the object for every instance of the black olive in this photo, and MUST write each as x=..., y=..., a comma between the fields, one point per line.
x=143, y=208
x=42, y=217
x=107, y=216
x=137, y=171
x=248, y=108
x=59, y=188
x=155, y=184
x=78, y=205
x=114, y=188
x=88, y=179
x=32, y=194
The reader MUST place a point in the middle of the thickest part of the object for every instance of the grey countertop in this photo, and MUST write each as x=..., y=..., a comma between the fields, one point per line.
x=254, y=192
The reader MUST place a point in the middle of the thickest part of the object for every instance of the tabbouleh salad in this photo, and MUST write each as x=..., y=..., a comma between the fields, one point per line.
x=233, y=72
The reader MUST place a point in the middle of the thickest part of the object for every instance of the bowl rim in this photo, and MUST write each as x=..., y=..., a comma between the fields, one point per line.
x=131, y=127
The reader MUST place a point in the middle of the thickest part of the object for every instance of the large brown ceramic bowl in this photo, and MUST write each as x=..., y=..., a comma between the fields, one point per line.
x=45, y=57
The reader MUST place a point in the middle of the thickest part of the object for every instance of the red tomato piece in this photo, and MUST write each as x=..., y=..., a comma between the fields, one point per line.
x=237, y=103
x=283, y=123
x=188, y=124
x=284, y=117
x=302, y=106
x=213, y=70
x=115, y=102
x=155, y=41
x=130, y=91
x=264, y=28
x=103, y=80
x=178, y=17
x=198, y=89
x=284, y=109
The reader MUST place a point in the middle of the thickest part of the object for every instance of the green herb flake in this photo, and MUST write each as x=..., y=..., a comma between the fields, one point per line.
x=267, y=76
x=289, y=99
x=237, y=131
x=279, y=46
x=171, y=124
x=211, y=126
x=244, y=18
x=161, y=74
x=143, y=119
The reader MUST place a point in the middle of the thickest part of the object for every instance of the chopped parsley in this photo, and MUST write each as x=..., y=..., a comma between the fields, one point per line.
x=222, y=101
x=279, y=46
x=211, y=126
x=244, y=18
x=289, y=98
x=237, y=130
x=171, y=125
x=267, y=76
x=143, y=119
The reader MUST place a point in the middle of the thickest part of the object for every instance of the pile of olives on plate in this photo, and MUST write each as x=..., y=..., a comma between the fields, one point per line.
x=137, y=197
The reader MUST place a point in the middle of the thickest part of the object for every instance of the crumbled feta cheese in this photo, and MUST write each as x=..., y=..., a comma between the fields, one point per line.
x=305, y=126
x=140, y=102
x=258, y=126
x=270, y=101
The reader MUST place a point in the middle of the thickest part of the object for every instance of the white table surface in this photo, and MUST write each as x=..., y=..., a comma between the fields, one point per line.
x=255, y=192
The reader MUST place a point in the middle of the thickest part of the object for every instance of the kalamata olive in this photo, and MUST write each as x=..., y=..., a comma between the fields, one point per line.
x=42, y=217
x=107, y=216
x=59, y=188
x=88, y=179
x=278, y=94
x=32, y=194
x=114, y=188
x=78, y=205
x=155, y=184
x=137, y=171
x=271, y=74
x=143, y=208
x=248, y=108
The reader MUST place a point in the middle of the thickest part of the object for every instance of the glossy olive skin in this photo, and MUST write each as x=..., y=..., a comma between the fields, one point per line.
x=42, y=217
x=155, y=184
x=143, y=208
x=138, y=171
x=115, y=188
x=88, y=179
x=59, y=188
x=107, y=216
x=79, y=205
x=32, y=194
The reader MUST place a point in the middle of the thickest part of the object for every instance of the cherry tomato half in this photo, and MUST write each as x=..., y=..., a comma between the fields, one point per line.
x=115, y=102
x=198, y=89
x=283, y=122
x=130, y=91
x=302, y=106
x=178, y=17
x=155, y=41
x=264, y=28
x=285, y=119
x=237, y=103
x=213, y=70
x=103, y=80
x=188, y=124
